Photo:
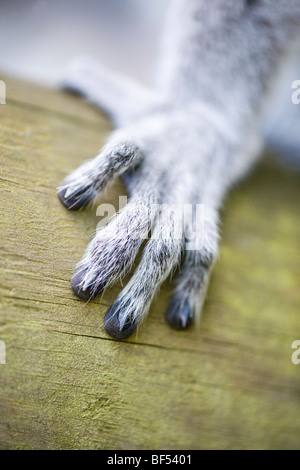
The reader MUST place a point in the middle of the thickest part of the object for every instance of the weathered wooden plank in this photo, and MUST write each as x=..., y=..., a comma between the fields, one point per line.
x=66, y=384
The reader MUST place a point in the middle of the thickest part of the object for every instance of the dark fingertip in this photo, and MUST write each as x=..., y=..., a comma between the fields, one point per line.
x=70, y=89
x=74, y=203
x=112, y=324
x=87, y=294
x=179, y=315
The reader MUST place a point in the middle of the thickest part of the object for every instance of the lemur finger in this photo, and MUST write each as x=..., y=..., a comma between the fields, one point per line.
x=81, y=186
x=190, y=289
x=160, y=257
x=112, y=251
x=201, y=250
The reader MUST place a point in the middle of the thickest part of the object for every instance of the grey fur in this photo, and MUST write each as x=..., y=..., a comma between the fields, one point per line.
x=188, y=141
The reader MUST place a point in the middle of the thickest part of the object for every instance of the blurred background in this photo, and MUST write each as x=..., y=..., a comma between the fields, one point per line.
x=40, y=37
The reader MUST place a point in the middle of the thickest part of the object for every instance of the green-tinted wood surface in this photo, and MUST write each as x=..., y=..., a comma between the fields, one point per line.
x=66, y=384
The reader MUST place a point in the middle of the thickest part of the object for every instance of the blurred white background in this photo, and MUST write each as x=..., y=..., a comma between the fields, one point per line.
x=40, y=37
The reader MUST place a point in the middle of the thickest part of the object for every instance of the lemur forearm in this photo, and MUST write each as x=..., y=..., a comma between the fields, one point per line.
x=224, y=53
x=221, y=57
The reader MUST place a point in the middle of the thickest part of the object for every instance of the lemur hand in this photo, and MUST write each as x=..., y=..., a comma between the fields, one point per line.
x=174, y=161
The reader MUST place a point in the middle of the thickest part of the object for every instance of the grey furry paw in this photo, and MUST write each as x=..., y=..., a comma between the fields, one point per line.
x=180, y=146
x=161, y=184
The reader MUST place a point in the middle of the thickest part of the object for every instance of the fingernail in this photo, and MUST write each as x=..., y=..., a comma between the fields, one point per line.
x=77, y=202
x=85, y=294
x=112, y=323
x=179, y=315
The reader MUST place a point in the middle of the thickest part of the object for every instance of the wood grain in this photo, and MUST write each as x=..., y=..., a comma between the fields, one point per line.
x=67, y=385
